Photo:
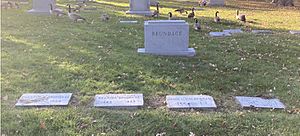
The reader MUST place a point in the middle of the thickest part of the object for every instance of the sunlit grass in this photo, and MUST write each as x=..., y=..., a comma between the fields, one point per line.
x=54, y=54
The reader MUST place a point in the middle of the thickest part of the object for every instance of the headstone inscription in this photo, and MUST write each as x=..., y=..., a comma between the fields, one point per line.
x=44, y=99
x=190, y=101
x=167, y=37
x=258, y=102
x=139, y=7
x=42, y=6
x=119, y=100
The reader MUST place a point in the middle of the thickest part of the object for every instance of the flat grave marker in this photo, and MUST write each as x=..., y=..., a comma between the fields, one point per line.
x=119, y=101
x=258, y=102
x=233, y=31
x=262, y=31
x=190, y=101
x=219, y=34
x=44, y=99
x=129, y=22
x=295, y=32
x=167, y=37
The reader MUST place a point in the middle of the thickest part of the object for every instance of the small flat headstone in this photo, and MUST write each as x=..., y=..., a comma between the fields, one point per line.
x=262, y=31
x=295, y=32
x=258, y=102
x=233, y=31
x=190, y=101
x=129, y=22
x=219, y=34
x=119, y=100
x=44, y=99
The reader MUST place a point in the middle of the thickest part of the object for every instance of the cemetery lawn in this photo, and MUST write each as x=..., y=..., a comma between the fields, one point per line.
x=42, y=54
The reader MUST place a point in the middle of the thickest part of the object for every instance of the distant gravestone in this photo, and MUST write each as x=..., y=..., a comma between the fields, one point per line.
x=262, y=31
x=233, y=31
x=119, y=100
x=42, y=6
x=129, y=22
x=44, y=99
x=190, y=101
x=216, y=2
x=139, y=7
x=258, y=102
x=219, y=34
x=167, y=37
x=295, y=32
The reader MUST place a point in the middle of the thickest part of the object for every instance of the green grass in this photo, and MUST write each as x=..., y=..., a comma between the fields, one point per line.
x=53, y=54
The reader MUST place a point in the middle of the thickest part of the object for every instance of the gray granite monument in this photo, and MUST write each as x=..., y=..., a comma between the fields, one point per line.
x=139, y=7
x=190, y=101
x=258, y=102
x=167, y=37
x=128, y=101
x=42, y=6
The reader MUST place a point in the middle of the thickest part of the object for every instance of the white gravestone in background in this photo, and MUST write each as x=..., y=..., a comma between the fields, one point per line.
x=140, y=7
x=216, y=2
x=42, y=6
x=167, y=37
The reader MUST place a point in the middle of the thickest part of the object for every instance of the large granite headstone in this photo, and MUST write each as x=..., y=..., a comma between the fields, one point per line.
x=119, y=100
x=216, y=2
x=139, y=7
x=44, y=99
x=42, y=6
x=258, y=102
x=190, y=101
x=167, y=37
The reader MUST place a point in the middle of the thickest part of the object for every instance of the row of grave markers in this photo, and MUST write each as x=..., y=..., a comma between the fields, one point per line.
x=134, y=101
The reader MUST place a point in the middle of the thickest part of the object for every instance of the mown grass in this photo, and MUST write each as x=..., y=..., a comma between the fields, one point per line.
x=53, y=54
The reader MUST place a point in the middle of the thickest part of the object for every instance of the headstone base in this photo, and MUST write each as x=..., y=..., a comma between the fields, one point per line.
x=146, y=13
x=34, y=11
x=189, y=53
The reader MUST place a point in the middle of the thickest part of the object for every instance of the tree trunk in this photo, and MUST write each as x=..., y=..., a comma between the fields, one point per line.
x=283, y=2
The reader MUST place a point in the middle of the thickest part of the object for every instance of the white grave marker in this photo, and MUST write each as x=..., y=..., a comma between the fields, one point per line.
x=258, y=102
x=219, y=34
x=216, y=2
x=140, y=7
x=167, y=37
x=42, y=6
x=119, y=100
x=295, y=32
x=44, y=99
x=190, y=101
x=233, y=31
x=262, y=31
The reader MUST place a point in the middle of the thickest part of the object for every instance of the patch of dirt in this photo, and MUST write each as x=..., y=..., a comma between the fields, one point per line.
x=155, y=102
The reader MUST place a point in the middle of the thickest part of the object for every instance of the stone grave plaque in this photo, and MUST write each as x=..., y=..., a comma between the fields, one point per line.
x=119, y=100
x=167, y=37
x=219, y=34
x=44, y=99
x=42, y=6
x=216, y=2
x=129, y=22
x=233, y=31
x=258, y=102
x=295, y=32
x=262, y=31
x=139, y=7
x=190, y=101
